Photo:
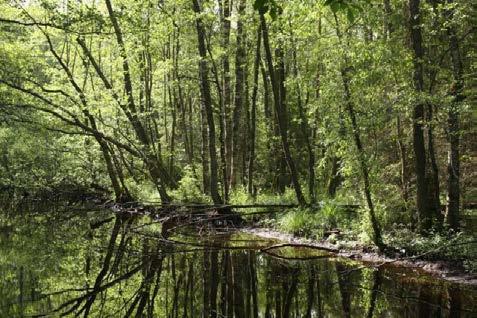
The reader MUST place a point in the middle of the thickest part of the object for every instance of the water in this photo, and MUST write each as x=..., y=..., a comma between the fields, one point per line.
x=69, y=263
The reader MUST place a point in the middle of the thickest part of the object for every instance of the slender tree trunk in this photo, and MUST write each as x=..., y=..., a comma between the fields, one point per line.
x=453, y=159
x=387, y=31
x=377, y=239
x=156, y=168
x=274, y=169
x=433, y=174
x=238, y=97
x=207, y=104
x=403, y=158
x=305, y=128
x=281, y=113
x=363, y=161
x=387, y=24
x=253, y=123
x=226, y=9
x=204, y=152
x=335, y=178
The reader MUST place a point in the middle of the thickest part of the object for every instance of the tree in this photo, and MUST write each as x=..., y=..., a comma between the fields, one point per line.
x=207, y=103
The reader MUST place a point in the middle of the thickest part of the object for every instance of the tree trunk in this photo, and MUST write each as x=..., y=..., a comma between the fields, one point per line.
x=423, y=212
x=207, y=104
x=156, y=168
x=363, y=162
x=204, y=152
x=403, y=158
x=238, y=97
x=225, y=107
x=453, y=160
x=433, y=174
x=253, y=124
x=335, y=177
x=305, y=128
x=387, y=24
x=377, y=239
x=281, y=114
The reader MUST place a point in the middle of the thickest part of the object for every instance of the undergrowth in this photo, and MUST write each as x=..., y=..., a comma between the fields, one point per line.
x=450, y=246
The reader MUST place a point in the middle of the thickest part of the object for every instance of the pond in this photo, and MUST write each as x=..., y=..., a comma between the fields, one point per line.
x=97, y=264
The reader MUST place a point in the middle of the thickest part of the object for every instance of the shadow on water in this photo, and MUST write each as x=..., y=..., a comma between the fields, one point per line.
x=97, y=265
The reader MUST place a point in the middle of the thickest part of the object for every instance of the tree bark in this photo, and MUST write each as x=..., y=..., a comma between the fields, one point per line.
x=377, y=239
x=226, y=100
x=423, y=212
x=453, y=159
x=207, y=103
x=363, y=161
x=306, y=131
x=154, y=163
x=281, y=113
x=253, y=123
x=238, y=96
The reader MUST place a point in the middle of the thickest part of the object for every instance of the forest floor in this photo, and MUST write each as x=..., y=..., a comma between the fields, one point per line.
x=448, y=270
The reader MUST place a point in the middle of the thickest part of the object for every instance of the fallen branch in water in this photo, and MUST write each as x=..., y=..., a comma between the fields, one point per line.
x=312, y=246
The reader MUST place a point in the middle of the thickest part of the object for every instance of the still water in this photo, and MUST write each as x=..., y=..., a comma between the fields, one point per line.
x=96, y=264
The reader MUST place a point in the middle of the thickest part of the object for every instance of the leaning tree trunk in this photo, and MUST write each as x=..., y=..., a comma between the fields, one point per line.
x=207, y=104
x=377, y=239
x=363, y=162
x=153, y=162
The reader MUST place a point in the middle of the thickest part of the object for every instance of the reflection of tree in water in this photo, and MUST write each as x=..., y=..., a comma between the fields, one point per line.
x=139, y=275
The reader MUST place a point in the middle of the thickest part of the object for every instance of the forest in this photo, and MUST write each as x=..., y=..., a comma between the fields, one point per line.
x=348, y=122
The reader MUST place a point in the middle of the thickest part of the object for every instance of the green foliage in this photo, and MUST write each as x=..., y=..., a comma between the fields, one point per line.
x=436, y=246
x=299, y=222
x=189, y=189
x=56, y=108
x=240, y=195
x=314, y=222
x=350, y=7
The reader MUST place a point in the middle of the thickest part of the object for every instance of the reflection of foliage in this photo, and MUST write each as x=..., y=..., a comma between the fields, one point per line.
x=49, y=256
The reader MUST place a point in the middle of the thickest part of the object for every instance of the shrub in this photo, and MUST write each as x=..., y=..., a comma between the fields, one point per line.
x=189, y=189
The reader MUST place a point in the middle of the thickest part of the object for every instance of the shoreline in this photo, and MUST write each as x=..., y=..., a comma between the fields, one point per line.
x=444, y=270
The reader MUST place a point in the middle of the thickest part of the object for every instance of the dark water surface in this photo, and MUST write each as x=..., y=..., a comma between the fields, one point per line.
x=70, y=263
